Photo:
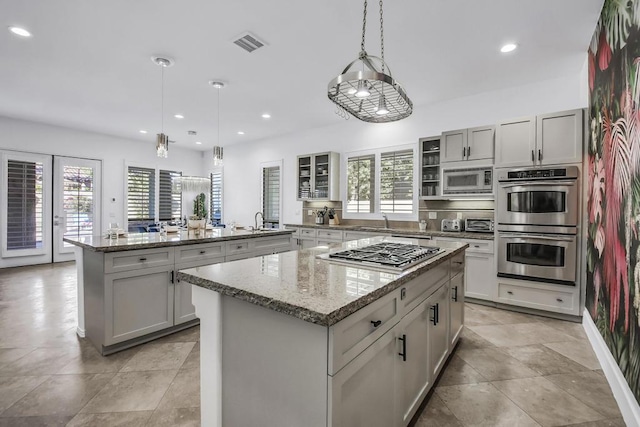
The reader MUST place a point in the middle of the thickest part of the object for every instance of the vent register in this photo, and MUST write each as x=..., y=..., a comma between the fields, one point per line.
x=249, y=42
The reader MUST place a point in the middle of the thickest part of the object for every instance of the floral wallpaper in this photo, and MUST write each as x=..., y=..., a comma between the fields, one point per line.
x=613, y=247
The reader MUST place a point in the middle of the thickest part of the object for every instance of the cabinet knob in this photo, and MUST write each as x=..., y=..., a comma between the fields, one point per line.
x=559, y=300
x=510, y=292
x=476, y=246
x=203, y=252
x=376, y=323
x=239, y=247
x=143, y=259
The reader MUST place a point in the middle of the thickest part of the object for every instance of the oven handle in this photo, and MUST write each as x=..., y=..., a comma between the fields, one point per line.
x=536, y=237
x=537, y=183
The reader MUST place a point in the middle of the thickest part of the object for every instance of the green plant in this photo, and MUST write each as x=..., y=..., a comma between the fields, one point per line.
x=199, y=207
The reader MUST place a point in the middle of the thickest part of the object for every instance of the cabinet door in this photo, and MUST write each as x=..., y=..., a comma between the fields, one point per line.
x=308, y=243
x=413, y=378
x=480, y=276
x=438, y=305
x=183, y=307
x=454, y=146
x=137, y=303
x=516, y=142
x=456, y=301
x=362, y=393
x=480, y=143
x=304, y=174
x=559, y=138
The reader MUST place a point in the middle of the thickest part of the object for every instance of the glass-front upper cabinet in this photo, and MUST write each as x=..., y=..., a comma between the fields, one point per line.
x=429, y=167
x=319, y=176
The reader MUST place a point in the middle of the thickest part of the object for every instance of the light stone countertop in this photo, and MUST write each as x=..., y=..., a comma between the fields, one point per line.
x=403, y=231
x=134, y=241
x=300, y=284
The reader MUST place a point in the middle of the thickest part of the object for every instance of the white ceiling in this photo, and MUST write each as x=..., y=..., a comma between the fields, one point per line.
x=88, y=64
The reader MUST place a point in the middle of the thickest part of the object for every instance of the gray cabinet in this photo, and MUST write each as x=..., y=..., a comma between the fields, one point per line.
x=456, y=309
x=430, y=167
x=438, y=305
x=318, y=176
x=468, y=144
x=547, y=139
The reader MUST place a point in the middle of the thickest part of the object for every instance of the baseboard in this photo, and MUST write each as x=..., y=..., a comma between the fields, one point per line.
x=80, y=332
x=624, y=397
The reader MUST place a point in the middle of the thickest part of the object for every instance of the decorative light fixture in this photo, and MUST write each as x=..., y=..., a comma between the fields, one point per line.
x=370, y=94
x=162, y=141
x=198, y=184
x=217, y=149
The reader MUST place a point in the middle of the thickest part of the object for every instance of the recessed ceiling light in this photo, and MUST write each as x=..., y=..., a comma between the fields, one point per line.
x=509, y=47
x=18, y=31
x=240, y=132
x=198, y=143
x=266, y=116
x=143, y=131
x=178, y=116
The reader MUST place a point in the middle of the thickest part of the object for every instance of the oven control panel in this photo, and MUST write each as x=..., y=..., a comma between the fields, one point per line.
x=570, y=172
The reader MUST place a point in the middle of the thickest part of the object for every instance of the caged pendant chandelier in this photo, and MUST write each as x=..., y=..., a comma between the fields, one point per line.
x=162, y=141
x=370, y=94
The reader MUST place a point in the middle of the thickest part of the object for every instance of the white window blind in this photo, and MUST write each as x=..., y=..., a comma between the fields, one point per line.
x=360, y=184
x=170, y=197
x=24, y=205
x=141, y=194
x=216, y=197
x=78, y=202
x=396, y=182
x=271, y=194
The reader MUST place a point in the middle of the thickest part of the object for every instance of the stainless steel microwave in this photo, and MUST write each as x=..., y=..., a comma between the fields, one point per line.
x=467, y=181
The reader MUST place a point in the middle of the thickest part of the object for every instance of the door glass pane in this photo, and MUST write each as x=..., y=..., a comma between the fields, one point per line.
x=537, y=201
x=24, y=205
x=536, y=254
x=470, y=180
x=78, y=202
x=271, y=196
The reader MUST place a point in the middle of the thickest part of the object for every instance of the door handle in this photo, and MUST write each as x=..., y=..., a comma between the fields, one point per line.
x=537, y=237
x=468, y=151
x=455, y=293
x=404, y=347
x=173, y=276
x=533, y=156
x=376, y=323
x=434, y=319
x=539, y=155
x=538, y=183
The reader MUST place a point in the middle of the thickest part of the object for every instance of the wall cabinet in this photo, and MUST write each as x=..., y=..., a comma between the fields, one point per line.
x=318, y=176
x=429, y=167
x=468, y=144
x=547, y=139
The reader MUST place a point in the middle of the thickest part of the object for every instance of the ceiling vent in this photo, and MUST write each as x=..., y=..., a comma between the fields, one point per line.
x=249, y=42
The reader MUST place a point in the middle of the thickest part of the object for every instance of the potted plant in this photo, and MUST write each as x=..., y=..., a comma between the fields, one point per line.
x=199, y=217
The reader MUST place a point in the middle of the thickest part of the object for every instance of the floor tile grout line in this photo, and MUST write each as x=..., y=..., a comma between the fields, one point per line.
x=512, y=401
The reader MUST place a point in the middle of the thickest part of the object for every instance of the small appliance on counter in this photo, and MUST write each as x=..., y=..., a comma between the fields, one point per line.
x=478, y=225
x=452, y=225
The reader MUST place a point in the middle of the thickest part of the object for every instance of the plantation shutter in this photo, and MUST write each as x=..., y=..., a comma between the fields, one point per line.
x=396, y=182
x=216, y=196
x=141, y=194
x=170, y=197
x=24, y=205
x=271, y=194
x=360, y=184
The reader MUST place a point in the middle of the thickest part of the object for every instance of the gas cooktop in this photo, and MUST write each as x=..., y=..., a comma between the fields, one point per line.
x=392, y=256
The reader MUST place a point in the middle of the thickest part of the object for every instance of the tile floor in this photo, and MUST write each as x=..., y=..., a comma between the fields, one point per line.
x=509, y=369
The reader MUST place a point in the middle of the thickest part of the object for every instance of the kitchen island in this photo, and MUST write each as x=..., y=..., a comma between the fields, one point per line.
x=127, y=289
x=294, y=339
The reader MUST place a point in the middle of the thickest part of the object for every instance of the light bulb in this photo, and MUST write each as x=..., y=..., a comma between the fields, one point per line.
x=382, y=107
x=363, y=90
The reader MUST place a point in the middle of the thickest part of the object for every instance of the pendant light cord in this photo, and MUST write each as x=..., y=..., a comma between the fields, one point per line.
x=364, y=27
x=381, y=38
x=218, y=116
x=162, y=102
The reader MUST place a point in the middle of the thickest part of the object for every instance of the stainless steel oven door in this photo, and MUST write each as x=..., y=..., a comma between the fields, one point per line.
x=541, y=257
x=539, y=203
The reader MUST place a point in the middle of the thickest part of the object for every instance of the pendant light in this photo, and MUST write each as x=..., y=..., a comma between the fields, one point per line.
x=370, y=93
x=217, y=149
x=162, y=140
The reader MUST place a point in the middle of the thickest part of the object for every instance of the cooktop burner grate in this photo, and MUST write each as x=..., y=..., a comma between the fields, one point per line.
x=397, y=255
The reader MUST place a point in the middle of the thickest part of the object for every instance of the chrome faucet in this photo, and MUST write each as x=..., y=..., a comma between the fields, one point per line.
x=386, y=220
x=256, y=219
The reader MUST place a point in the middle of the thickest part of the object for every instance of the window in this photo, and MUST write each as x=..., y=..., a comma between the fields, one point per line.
x=271, y=195
x=24, y=205
x=396, y=182
x=141, y=194
x=361, y=184
x=78, y=205
x=170, y=197
x=216, y=197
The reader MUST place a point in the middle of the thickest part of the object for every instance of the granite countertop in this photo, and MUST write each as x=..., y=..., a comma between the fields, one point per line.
x=403, y=231
x=134, y=241
x=300, y=284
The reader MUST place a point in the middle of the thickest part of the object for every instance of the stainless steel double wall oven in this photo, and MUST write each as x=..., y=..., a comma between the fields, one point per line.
x=538, y=218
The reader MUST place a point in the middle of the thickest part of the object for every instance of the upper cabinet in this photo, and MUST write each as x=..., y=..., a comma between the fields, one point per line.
x=468, y=144
x=318, y=176
x=429, y=167
x=547, y=139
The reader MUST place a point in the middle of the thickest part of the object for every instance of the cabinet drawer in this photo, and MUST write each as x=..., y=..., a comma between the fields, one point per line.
x=237, y=247
x=418, y=289
x=271, y=245
x=484, y=246
x=307, y=232
x=330, y=235
x=457, y=264
x=202, y=252
x=541, y=299
x=135, y=260
x=351, y=336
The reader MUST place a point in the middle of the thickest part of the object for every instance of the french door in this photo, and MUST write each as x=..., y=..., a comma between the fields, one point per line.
x=42, y=198
x=76, y=207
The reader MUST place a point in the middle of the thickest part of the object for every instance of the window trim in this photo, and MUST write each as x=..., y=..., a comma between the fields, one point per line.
x=377, y=153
